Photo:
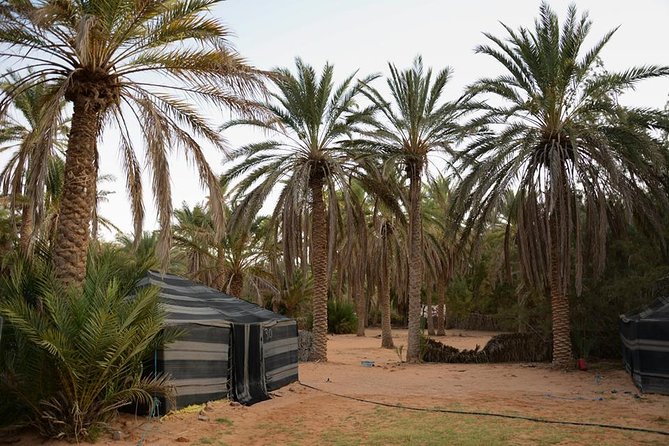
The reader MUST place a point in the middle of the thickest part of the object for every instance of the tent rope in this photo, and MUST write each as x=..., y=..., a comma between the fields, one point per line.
x=493, y=414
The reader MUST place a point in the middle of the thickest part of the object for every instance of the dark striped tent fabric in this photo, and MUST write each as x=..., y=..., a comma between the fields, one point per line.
x=201, y=361
x=248, y=383
x=645, y=339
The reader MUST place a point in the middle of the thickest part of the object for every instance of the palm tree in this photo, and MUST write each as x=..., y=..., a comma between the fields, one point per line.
x=388, y=238
x=77, y=355
x=441, y=246
x=118, y=62
x=388, y=250
x=566, y=144
x=415, y=123
x=222, y=263
x=26, y=175
x=310, y=117
x=246, y=256
x=194, y=238
x=352, y=259
x=143, y=249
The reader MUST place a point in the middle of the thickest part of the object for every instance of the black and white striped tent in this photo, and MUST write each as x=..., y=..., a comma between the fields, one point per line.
x=228, y=347
x=645, y=339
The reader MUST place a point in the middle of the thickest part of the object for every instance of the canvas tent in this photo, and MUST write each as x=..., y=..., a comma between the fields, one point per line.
x=228, y=347
x=645, y=339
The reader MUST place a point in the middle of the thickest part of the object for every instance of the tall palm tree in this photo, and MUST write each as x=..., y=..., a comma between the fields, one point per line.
x=352, y=256
x=118, y=62
x=26, y=175
x=309, y=117
x=387, y=250
x=390, y=262
x=414, y=123
x=558, y=135
x=436, y=214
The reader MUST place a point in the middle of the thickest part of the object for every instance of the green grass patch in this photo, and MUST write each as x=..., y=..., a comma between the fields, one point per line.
x=226, y=421
x=393, y=427
x=388, y=427
x=206, y=441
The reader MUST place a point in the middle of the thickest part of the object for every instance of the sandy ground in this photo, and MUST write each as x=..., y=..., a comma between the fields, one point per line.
x=301, y=415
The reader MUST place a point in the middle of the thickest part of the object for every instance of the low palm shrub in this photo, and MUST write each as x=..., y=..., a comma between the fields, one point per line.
x=70, y=358
x=341, y=317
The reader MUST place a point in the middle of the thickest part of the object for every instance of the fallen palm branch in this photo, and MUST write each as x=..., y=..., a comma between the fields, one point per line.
x=507, y=347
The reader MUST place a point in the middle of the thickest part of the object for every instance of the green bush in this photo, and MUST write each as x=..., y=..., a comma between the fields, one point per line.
x=636, y=273
x=71, y=357
x=341, y=317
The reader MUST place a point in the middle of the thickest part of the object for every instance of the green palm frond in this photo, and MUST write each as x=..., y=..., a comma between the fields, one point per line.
x=117, y=44
x=309, y=118
x=93, y=340
x=556, y=133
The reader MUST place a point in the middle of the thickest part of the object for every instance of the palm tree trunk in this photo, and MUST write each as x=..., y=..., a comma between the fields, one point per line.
x=415, y=264
x=236, y=284
x=562, y=356
x=360, y=303
x=369, y=292
x=441, y=310
x=319, y=269
x=384, y=297
x=76, y=206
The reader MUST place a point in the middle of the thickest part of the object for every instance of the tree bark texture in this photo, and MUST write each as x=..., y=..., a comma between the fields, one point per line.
x=562, y=354
x=360, y=300
x=319, y=268
x=76, y=207
x=221, y=273
x=384, y=297
x=415, y=264
x=236, y=285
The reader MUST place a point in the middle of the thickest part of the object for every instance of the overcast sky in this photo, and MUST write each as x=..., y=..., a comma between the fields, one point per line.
x=365, y=34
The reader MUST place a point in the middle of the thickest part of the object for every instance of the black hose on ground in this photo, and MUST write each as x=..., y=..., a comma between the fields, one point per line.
x=496, y=415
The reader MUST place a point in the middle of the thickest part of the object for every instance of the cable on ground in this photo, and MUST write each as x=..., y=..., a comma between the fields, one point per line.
x=496, y=415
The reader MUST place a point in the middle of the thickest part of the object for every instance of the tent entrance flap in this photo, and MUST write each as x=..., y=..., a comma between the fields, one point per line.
x=247, y=364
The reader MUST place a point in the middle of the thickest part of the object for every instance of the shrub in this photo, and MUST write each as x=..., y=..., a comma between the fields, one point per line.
x=341, y=317
x=293, y=298
x=72, y=357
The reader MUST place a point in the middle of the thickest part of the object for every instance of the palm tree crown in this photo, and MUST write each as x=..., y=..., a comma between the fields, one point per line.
x=416, y=122
x=119, y=62
x=578, y=158
x=310, y=118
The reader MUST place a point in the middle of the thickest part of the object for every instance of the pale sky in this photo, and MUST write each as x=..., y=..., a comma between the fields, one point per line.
x=365, y=34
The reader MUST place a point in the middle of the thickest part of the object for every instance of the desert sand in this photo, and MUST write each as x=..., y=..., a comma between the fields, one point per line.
x=301, y=415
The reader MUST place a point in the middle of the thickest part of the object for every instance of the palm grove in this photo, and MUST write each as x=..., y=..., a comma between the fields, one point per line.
x=504, y=199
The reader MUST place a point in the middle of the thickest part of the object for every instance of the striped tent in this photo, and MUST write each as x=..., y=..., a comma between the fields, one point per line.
x=645, y=339
x=227, y=348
